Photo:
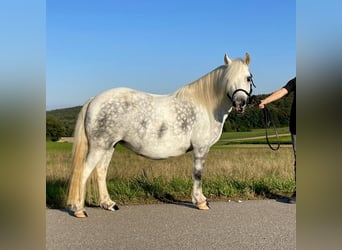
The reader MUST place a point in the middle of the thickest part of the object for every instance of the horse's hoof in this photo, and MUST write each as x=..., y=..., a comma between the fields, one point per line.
x=112, y=207
x=81, y=214
x=203, y=206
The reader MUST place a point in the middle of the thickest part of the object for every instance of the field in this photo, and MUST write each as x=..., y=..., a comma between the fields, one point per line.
x=237, y=167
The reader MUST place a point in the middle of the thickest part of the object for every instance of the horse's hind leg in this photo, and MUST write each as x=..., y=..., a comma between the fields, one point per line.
x=93, y=158
x=101, y=171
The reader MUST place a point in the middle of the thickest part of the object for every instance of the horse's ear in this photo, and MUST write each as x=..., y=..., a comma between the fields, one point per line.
x=227, y=60
x=247, y=59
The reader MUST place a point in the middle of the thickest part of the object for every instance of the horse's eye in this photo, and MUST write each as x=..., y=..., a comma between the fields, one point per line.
x=249, y=78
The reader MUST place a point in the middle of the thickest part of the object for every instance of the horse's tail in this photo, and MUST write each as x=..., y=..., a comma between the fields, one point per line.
x=79, y=154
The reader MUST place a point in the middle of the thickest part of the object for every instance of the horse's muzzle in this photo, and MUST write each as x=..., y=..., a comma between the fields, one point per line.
x=240, y=98
x=239, y=105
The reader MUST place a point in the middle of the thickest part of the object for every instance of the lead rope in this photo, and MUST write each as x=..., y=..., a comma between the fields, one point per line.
x=268, y=123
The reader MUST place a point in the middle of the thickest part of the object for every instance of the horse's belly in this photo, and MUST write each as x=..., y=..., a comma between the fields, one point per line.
x=155, y=149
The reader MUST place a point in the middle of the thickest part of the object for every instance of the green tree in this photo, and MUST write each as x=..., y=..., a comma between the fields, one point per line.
x=67, y=117
x=54, y=128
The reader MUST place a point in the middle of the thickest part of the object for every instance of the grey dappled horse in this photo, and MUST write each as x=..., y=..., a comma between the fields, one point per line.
x=156, y=126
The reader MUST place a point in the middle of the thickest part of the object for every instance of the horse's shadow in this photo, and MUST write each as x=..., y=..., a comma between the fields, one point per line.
x=66, y=211
x=170, y=199
x=165, y=198
x=278, y=198
x=282, y=200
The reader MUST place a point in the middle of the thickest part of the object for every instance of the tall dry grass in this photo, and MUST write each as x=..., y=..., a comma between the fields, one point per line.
x=240, y=163
x=243, y=165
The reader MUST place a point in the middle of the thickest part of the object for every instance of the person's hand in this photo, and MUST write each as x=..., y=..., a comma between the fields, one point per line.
x=262, y=104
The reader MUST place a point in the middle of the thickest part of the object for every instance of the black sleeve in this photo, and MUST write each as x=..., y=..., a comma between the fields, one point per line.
x=291, y=85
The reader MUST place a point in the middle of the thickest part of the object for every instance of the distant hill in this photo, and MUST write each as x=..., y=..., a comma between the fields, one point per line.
x=67, y=117
x=252, y=118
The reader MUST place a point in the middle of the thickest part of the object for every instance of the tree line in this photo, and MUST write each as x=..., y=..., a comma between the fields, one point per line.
x=61, y=122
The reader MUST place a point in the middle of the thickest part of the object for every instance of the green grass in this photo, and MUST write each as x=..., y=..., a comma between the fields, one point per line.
x=246, y=138
x=143, y=191
x=273, y=141
x=252, y=133
x=67, y=147
x=58, y=146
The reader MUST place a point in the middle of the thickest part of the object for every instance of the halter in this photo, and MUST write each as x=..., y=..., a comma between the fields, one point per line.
x=250, y=79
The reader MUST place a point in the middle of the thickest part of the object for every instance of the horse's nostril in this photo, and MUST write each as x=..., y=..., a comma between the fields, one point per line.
x=239, y=103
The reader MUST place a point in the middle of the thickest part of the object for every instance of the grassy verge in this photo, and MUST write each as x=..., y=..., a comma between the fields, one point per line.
x=230, y=173
x=252, y=133
x=143, y=191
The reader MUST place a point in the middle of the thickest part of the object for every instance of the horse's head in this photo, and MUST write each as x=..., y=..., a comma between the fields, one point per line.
x=239, y=82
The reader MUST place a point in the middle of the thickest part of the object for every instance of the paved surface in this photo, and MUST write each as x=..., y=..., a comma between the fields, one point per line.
x=264, y=224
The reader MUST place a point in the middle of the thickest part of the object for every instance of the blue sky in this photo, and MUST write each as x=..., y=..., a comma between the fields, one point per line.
x=159, y=46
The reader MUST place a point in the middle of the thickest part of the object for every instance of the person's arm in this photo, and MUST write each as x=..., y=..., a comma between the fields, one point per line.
x=273, y=97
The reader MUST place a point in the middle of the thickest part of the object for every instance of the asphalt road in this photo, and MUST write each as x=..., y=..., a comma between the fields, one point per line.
x=262, y=224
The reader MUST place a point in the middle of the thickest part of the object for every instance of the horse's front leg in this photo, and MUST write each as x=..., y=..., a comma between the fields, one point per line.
x=197, y=196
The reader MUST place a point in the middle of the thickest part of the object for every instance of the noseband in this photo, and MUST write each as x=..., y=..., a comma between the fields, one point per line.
x=250, y=79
